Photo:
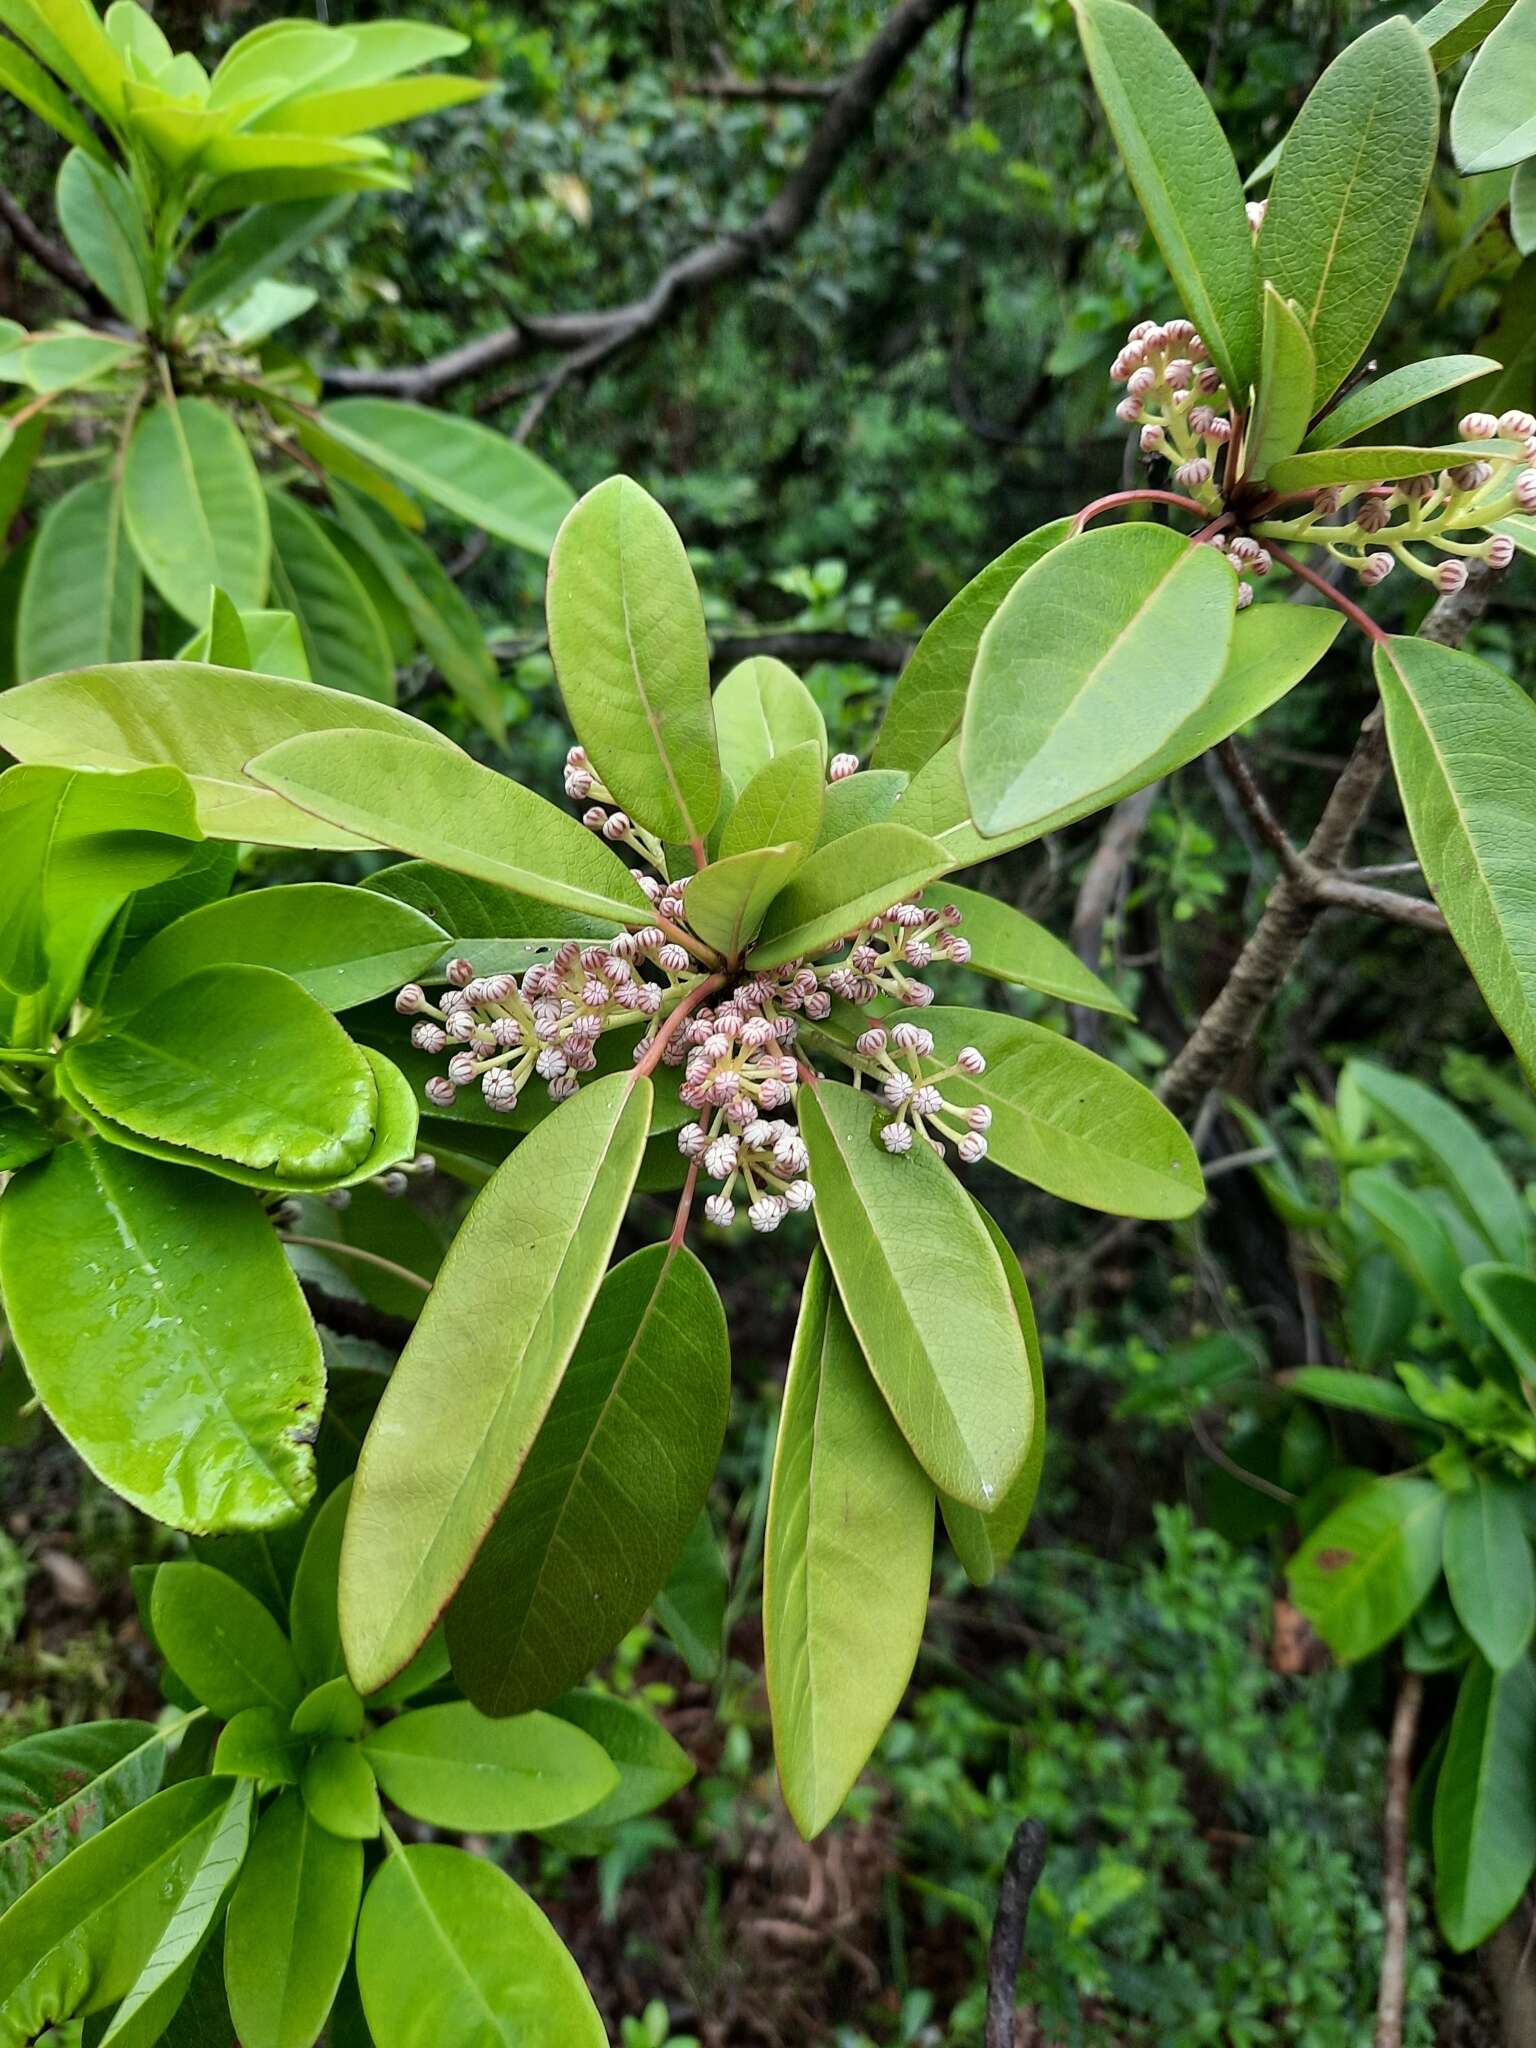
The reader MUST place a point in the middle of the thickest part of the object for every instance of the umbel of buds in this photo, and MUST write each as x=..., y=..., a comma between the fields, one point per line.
x=894, y=1060
x=1174, y=395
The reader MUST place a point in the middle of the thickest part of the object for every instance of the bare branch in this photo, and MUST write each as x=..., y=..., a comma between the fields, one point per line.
x=729, y=87
x=849, y=111
x=1101, y=885
x=1392, y=1991
x=52, y=255
x=886, y=653
x=356, y=1318
x=1021, y=1873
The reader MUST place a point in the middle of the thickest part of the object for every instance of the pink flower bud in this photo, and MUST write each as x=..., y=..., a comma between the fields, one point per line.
x=462, y=1069
x=595, y=818
x=1517, y=426
x=1244, y=596
x=1129, y=410
x=616, y=826
x=1209, y=379
x=1256, y=210
x=1141, y=381
x=692, y=1141
x=1499, y=552
x=1376, y=569
x=720, y=1210
x=499, y=1090
x=912, y=1038
x=550, y=1064
x=1477, y=426
x=441, y=1091
x=1192, y=474
x=1471, y=476
x=818, y=1006
x=563, y=1087
x=799, y=1196
x=1151, y=438
x=767, y=1212
x=1220, y=430
x=841, y=766
x=410, y=999
x=960, y=951
x=1144, y=330
x=896, y=1138
x=927, y=1101
x=871, y=1042
x=979, y=1118
x=460, y=974
x=461, y=1026
x=428, y=1037
x=970, y=1061
x=972, y=1147
x=1180, y=374
x=897, y=1089
x=1525, y=489
x=1450, y=577
x=578, y=784
x=1180, y=330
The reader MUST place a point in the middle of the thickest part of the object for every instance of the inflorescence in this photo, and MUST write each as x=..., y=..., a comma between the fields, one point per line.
x=741, y=1053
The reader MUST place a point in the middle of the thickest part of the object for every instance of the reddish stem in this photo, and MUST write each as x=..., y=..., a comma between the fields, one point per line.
x=684, y=1204
x=1346, y=605
x=1141, y=497
x=691, y=1001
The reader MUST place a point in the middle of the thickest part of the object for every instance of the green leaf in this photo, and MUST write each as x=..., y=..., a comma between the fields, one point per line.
x=1363, y=1571
x=261, y=69
x=626, y=631
x=195, y=509
x=867, y=798
x=104, y=226
x=449, y=1949
x=984, y=1542
x=77, y=1941
x=345, y=644
x=1453, y=27
x=762, y=710
x=649, y=1764
x=846, y=1564
x=207, y=722
x=1408, y=1227
x=480, y=476
x=258, y=1742
x=439, y=614
x=443, y=807
x=927, y=1297
x=838, y=889
x=456, y=1768
x=1071, y=1122
x=780, y=804
x=351, y=110
x=1092, y=662
x=70, y=40
x=1492, y=123
x=289, y=1931
x=383, y=49
x=691, y=1605
x=60, y=1789
x=1522, y=211
x=1335, y=234
x=343, y=946
x=929, y=697
x=221, y=1642
x=181, y=1362
x=1009, y=946
x=1470, y=1169
x=334, y=1708
x=1361, y=465
x=429, y=1483
x=609, y=1492
x=264, y=240
x=313, y=1627
x=1488, y=1568
x=1287, y=372
x=1505, y=1298
x=1485, y=1804
x=1463, y=741
x=240, y=1064
x=728, y=900
x=1356, y=1391
x=1383, y=398
x=74, y=846
x=29, y=83
x=340, y=1792
x=472, y=910
x=71, y=357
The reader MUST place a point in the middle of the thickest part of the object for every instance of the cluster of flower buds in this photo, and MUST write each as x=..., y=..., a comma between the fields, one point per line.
x=1248, y=557
x=738, y=1070
x=1374, y=527
x=1174, y=393
x=896, y=944
x=894, y=1061
x=288, y=1210
x=500, y=1032
x=583, y=786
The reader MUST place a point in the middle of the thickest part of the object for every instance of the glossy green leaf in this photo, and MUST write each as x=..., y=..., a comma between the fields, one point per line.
x=1092, y=662
x=259, y=70
x=1363, y=1571
x=1273, y=647
x=289, y=1931
x=609, y=1492
x=1522, y=211
x=350, y=110
x=1335, y=234
x=1492, y=121
x=239, y=1063
x=728, y=900
x=1463, y=741
x=313, y=1627
x=1505, y=1299
x=1485, y=1804
x=258, y=1742
x=477, y=474
x=103, y=225
x=77, y=1941
x=29, y=83
x=927, y=1297
x=1383, y=398
x=221, y=1642
x=456, y=1768
x=846, y=1563
x=1356, y=1391
x=59, y=1790
x=1009, y=946
x=181, y=1363
x=207, y=722
x=650, y=1765
x=70, y=40
x=449, y=1949
x=780, y=804
x=1407, y=1225
x=867, y=798
x=443, y=807
x=1371, y=465
x=984, y=1542
x=342, y=945
x=691, y=1605
x=838, y=889
x=340, y=1792
x=383, y=49
x=472, y=909
x=1467, y=1166
x=195, y=509
x=1287, y=374
x=929, y=697
x=1489, y=1569
x=69, y=357
x=1184, y=176
x=333, y=1709
x=626, y=631
x=345, y=644
x=508, y=1307
x=265, y=240
x=762, y=710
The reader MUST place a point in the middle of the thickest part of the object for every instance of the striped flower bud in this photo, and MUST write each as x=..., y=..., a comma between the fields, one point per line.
x=1499, y=552
x=818, y=1006
x=1193, y=473
x=1477, y=426
x=799, y=1196
x=927, y=1101
x=1525, y=489
x=960, y=951
x=563, y=1087
x=1244, y=596
x=970, y=1061
x=972, y=1147
x=410, y=999
x=1129, y=410
x=1151, y=438
x=595, y=818
x=871, y=1042
x=1376, y=569
x=979, y=1118
x=499, y=1090
x=911, y=1038
x=673, y=958
x=767, y=1212
x=692, y=1141
x=460, y=973
x=461, y=1026
x=720, y=1210
x=428, y=1037
x=550, y=1064
x=896, y=1138
x=461, y=1069
x=1450, y=577
x=616, y=826
x=1517, y=426
x=897, y=1089
x=841, y=766
x=441, y=1091
x=1220, y=430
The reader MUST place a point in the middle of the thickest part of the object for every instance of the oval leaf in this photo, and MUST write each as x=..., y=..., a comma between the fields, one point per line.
x=60, y=1789
x=1492, y=123
x=195, y=509
x=841, y=887
x=221, y=1642
x=1383, y=398
x=83, y=598
x=1485, y=1804
x=1011, y=947
x=1488, y=1568
x=782, y=804
x=345, y=644
x=763, y=710
x=289, y=1931
x=1365, y=1569
x=1283, y=402
x=728, y=899
x=456, y=1768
